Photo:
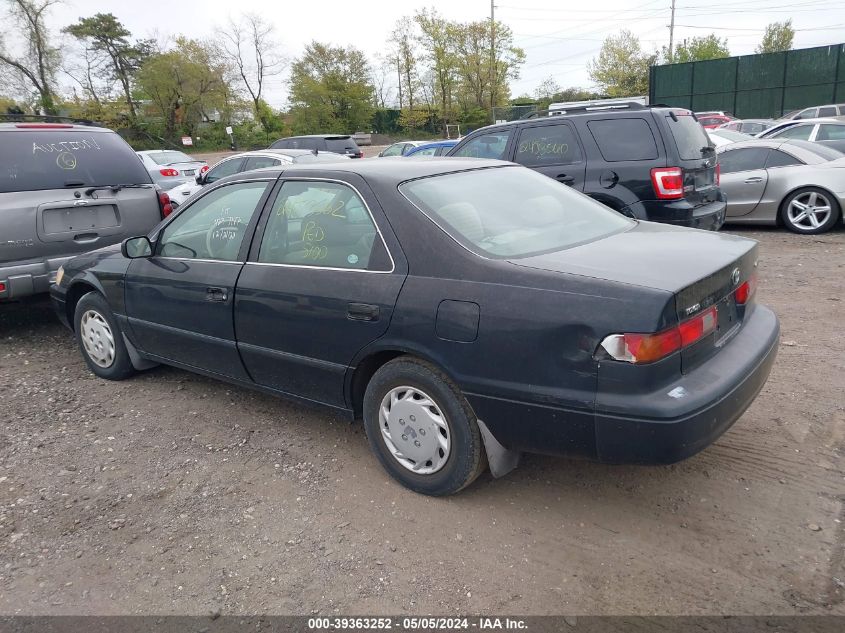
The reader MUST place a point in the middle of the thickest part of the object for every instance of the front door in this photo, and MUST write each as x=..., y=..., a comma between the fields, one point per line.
x=320, y=286
x=179, y=301
x=743, y=178
x=553, y=150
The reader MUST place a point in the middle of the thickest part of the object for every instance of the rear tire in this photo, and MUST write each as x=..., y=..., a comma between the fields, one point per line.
x=809, y=211
x=100, y=338
x=422, y=429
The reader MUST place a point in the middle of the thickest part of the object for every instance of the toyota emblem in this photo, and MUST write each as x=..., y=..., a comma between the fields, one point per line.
x=735, y=276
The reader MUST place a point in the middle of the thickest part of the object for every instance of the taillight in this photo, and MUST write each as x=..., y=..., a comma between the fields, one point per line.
x=668, y=182
x=164, y=204
x=203, y=169
x=745, y=291
x=648, y=348
x=718, y=177
x=2, y=286
x=168, y=172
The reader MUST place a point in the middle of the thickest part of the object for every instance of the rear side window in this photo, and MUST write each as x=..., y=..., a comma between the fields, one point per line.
x=547, y=145
x=831, y=133
x=745, y=159
x=56, y=159
x=690, y=138
x=282, y=144
x=624, y=139
x=778, y=158
x=807, y=114
x=827, y=111
x=260, y=162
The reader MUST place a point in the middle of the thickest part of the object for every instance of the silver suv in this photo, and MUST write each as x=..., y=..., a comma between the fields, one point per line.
x=66, y=189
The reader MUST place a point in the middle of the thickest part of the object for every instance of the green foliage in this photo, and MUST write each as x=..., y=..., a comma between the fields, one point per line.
x=621, y=68
x=698, y=49
x=330, y=90
x=778, y=37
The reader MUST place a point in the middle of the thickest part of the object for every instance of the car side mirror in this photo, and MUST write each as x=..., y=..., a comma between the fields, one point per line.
x=200, y=179
x=136, y=247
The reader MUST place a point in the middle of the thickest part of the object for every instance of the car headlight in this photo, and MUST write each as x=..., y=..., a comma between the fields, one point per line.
x=59, y=274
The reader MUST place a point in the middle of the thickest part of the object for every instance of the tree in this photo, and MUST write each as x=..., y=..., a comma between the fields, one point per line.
x=547, y=89
x=381, y=76
x=36, y=67
x=250, y=46
x=330, y=90
x=621, y=68
x=437, y=36
x=103, y=35
x=698, y=49
x=404, y=53
x=778, y=37
x=185, y=85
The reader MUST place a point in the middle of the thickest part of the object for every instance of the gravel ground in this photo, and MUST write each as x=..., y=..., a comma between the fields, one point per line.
x=173, y=493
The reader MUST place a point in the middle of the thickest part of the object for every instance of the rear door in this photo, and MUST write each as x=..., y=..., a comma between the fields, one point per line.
x=553, y=149
x=743, y=178
x=53, y=201
x=689, y=148
x=319, y=286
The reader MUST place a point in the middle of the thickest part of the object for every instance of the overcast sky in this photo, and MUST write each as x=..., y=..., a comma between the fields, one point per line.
x=559, y=36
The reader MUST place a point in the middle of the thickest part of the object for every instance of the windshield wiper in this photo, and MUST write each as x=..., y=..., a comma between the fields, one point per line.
x=114, y=188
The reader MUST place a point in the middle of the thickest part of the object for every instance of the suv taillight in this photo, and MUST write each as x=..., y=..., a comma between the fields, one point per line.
x=668, y=182
x=164, y=204
x=648, y=348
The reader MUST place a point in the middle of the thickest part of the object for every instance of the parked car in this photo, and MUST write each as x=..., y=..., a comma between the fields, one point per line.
x=647, y=162
x=748, y=126
x=712, y=120
x=400, y=149
x=66, y=189
x=721, y=136
x=435, y=148
x=339, y=144
x=797, y=184
x=247, y=161
x=170, y=168
x=780, y=126
x=495, y=312
x=830, y=110
x=828, y=132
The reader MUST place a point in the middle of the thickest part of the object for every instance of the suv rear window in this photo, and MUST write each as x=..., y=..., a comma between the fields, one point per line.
x=623, y=139
x=340, y=144
x=33, y=160
x=690, y=138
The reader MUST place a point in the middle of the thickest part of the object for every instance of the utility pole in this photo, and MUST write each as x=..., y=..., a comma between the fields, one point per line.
x=672, y=32
x=493, y=75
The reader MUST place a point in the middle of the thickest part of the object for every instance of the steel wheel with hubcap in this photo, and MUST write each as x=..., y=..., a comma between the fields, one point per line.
x=421, y=427
x=810, y=211
x=415, y=430
x=97, y=338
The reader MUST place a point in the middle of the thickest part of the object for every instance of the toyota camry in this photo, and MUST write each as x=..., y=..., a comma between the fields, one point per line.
x=466, y=310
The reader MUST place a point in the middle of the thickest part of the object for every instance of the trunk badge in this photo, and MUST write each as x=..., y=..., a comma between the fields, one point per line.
x=735, y=276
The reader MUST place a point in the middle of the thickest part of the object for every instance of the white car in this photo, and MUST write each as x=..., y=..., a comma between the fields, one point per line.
x=248, y=161
x=721, y=137
x=170, y=168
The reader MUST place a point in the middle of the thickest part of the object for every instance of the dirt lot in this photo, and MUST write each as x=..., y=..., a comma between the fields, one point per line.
x=172, y=493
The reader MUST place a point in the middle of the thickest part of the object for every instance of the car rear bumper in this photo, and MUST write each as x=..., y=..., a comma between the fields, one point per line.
x=28, y=278
x=680, y=419
x=709, y=216
x=658, y=426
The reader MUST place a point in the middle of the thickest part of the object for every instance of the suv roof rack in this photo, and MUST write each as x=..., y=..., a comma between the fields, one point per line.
x=596, y=107
x=6, y=117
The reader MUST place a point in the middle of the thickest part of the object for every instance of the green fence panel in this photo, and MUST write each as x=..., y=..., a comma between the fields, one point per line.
x=673, y=81
x=763, y=103
x=811, y=66
x=761, y=71
x=714, y=76
x=714, y=101
x=840, y=92
x=806, y=96
x=684, y=101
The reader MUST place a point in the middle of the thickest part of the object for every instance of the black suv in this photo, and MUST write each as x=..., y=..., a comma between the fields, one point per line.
x=339, y=144
x=647, y=162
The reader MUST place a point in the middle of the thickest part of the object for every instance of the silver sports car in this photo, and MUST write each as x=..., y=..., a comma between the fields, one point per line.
x=797, y=184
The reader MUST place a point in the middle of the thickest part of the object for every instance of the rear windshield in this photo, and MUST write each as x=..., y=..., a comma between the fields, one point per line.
x=511, y=212
x=170, y=158
x=56, y=159
x=340, y=144
x=690, y=138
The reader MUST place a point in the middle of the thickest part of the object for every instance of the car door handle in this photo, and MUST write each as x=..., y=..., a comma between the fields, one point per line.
x=753, y=179
x=362, y=312
x=567, y=180
x=216, y=294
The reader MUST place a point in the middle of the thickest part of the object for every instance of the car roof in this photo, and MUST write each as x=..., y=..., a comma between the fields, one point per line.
x=388, y=171
x=32, y=126
x=159, y=151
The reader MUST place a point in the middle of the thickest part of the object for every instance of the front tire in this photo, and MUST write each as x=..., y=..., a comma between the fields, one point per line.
x=809, y=211
x=100, y=338
x=422, y=429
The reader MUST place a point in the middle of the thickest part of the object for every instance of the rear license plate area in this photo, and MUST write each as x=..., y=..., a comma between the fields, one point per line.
x=189, y=172
x=727, y=321
x=79, y=219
